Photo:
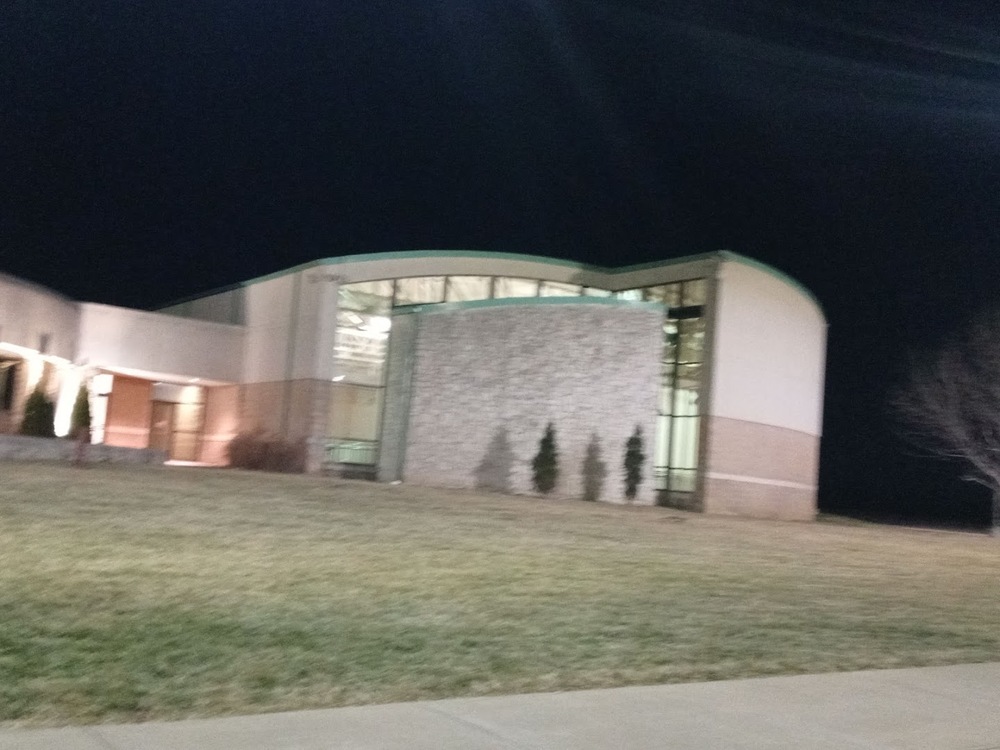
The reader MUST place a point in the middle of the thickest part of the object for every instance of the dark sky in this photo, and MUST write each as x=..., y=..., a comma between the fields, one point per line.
x=150, y=151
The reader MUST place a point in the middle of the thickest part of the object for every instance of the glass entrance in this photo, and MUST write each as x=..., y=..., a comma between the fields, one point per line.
x=176, y=429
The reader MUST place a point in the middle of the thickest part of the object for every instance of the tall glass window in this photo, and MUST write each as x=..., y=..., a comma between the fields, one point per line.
x=359, y=354
x=362, y=332
x=678, y=424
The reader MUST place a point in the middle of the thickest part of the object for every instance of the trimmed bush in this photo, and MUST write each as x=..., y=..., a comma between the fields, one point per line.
x=259, y=451
x=79, y=421
x=39, y=416
x=634, y=459
x=545, y=464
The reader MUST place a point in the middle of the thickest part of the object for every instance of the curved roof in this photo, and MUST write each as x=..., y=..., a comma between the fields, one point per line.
x=379, y=266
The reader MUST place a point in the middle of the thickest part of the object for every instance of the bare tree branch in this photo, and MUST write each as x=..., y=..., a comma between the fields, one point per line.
x=950, y=403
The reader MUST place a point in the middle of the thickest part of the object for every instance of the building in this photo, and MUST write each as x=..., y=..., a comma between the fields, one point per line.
x=444, y=367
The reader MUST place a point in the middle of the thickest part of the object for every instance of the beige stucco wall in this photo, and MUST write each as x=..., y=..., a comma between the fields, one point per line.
x=222, y=422
x=769, y=352
x=153, y=344
x=766, y=400
x=290, y=325
x=28, y=311
x=219, y=307
x=288, y=359
x=30, y=314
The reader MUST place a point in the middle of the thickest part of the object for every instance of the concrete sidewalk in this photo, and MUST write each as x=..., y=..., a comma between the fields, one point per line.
x=938, y=708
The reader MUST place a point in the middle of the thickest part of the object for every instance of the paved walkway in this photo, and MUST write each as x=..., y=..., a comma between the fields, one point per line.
x=938, y=708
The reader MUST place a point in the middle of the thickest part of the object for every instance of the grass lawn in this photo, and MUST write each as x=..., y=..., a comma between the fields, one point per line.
x=129, y=594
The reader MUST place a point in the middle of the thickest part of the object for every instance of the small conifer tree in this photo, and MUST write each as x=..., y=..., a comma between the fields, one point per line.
x=545, y=464
x=634, y=459
x=39, y=416
x=79, y=421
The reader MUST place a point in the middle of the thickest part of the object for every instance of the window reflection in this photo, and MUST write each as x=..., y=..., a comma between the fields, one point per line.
x=666, y=294
x=420, y=290
x=695, y=292
x=679, y=421
x=507, y=287
x=362, y=334
x=558, y=289
x=468, y=288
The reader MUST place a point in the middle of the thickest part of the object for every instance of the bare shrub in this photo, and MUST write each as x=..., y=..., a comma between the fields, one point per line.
x=260, y=451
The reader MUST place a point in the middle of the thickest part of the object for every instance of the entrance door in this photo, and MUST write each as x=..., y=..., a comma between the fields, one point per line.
x=162, y=426
x=176, y=429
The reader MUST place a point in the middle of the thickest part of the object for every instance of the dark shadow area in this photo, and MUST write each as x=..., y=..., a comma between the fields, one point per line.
x=594, y=470
x=493, y=472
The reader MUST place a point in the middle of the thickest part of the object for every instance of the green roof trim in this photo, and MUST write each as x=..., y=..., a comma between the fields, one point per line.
x=443, y=307
x=405, y=254
x=416, y=254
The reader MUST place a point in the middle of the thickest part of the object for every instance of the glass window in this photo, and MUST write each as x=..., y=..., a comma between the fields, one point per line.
x=505, y=287
x=667, y=294
x=558, y=289
x=363, y=324
x=355, y=412
x=691, y=339
x=667, y=392
x=589, y=291
x=373, y=297
x=188, y=417
x=670, y=338
x=634, y=295
x=466, y=288
x=695, y=292
x=420, y=290
x=687, y=386
x=662, y=441
x=684, y=443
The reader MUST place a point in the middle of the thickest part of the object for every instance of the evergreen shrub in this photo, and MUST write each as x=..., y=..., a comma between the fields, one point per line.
x=39, y=416
x=545, y=464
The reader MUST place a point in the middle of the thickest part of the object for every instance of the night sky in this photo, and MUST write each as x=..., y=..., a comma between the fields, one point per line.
x=150, y=151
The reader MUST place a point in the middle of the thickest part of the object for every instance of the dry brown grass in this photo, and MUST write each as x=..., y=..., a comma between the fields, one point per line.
x=130, y=594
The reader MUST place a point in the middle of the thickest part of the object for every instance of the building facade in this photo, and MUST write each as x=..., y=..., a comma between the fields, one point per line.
x=443, y=368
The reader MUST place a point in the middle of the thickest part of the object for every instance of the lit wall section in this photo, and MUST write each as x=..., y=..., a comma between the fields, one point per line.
x=767, y=395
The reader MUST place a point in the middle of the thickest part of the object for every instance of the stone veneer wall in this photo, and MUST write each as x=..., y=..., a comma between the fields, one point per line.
x=471, y=388
x=761, y=471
